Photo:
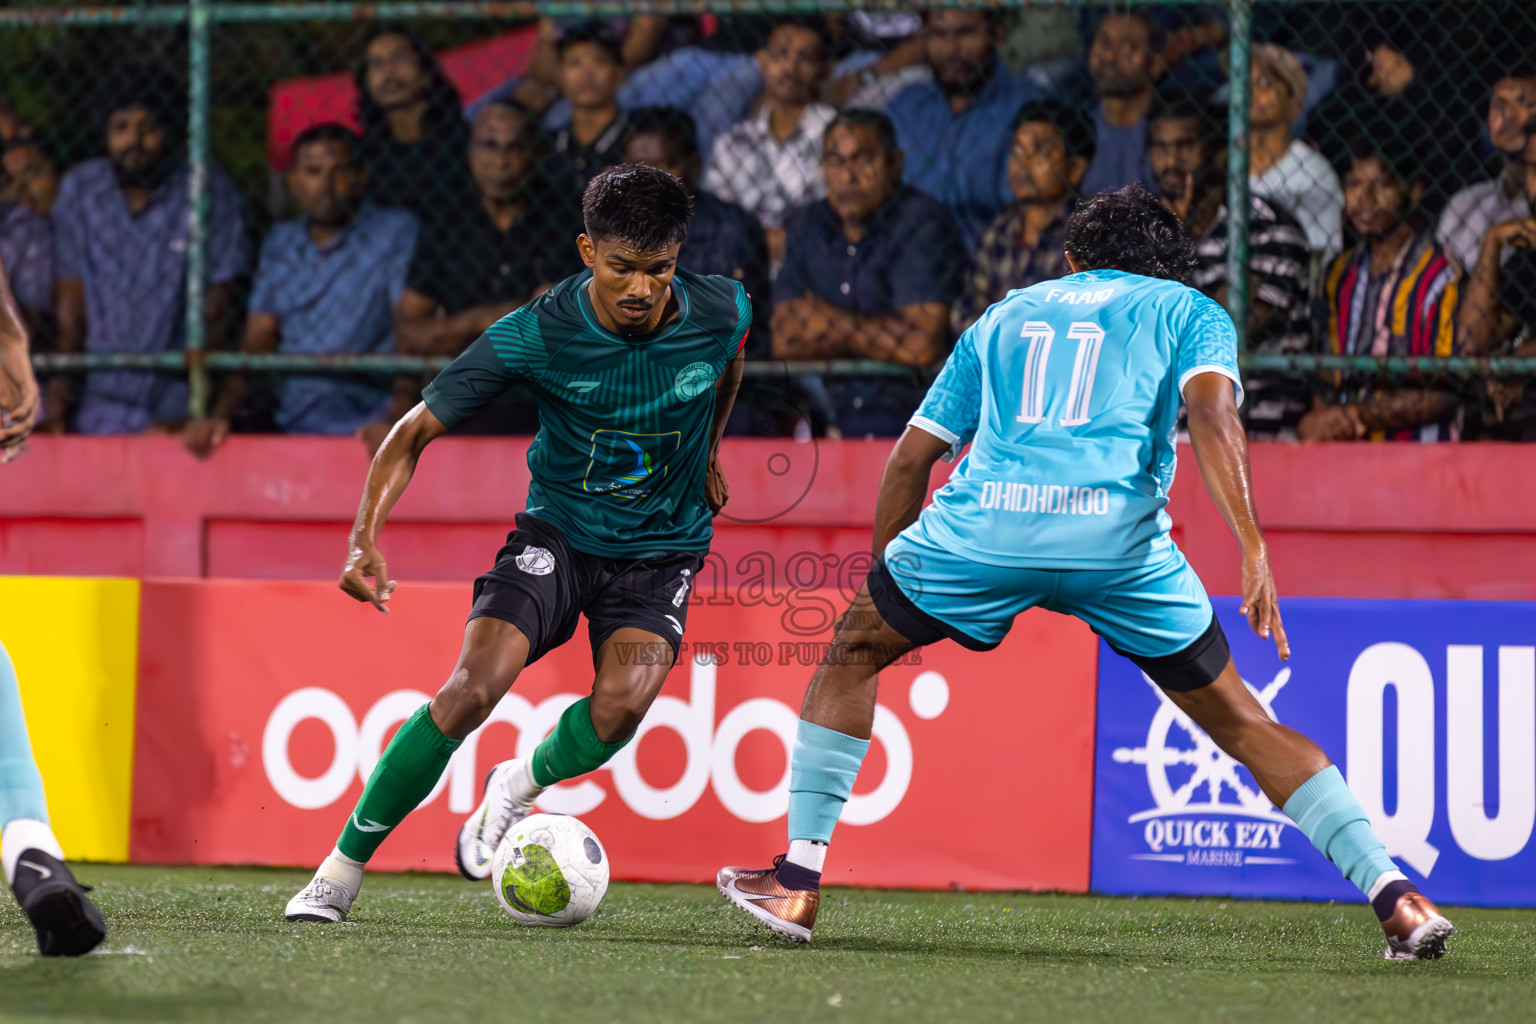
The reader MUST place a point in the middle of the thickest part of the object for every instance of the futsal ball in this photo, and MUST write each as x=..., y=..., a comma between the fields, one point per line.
x=550, y=870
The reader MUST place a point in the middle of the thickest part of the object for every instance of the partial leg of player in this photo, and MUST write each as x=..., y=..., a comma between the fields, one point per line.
x=66, y=921
x=835, y=725
x=1298, y=778
x=833, y=737
x=588, y=735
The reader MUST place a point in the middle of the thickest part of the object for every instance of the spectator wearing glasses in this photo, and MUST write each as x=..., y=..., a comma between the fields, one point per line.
x=326, y=284
x=1471, y=212
x=1185, y=151
x=1052, y=146
x=954, y=130
x=770, y=163
x=413, y=126
x=869, y=272
x=513, y=239
x=120, y=257
x=1394, y=293
x=1284, y=169
x=1125, y=62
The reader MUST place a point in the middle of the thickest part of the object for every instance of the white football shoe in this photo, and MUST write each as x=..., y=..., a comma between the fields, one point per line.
x=329, y=895
x=509, y=795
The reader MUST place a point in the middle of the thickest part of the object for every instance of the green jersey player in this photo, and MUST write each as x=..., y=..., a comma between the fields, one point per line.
x=634, y=364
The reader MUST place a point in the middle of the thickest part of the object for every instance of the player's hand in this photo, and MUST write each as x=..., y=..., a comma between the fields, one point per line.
x=716, y=491
x=363, y=563
x=201, y=437
x=1261, y=604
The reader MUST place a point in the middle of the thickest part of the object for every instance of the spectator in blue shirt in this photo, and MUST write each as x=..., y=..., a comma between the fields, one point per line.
x=1125, y=62
x=120, y=252
x=869, y=273
x=957, y=129
x=326, y=284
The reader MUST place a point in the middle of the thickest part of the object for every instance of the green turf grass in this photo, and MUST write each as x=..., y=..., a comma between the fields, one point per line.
x=194, y=944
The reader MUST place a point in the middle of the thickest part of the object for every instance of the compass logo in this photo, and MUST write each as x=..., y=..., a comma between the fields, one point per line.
x=1207, y=810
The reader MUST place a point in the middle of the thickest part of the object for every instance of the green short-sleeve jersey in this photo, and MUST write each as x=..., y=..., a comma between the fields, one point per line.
x=622, y=451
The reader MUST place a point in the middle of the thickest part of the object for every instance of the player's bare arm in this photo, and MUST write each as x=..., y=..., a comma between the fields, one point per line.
x=388, y=475
x=18, y=386
x=1221, y=449
x=716, y=490
x=904, y=485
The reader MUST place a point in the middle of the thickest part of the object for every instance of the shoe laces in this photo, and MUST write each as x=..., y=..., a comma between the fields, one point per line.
x=323, y=890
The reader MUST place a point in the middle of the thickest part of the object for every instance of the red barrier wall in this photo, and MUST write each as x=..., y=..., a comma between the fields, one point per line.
x=1398, y=520
x=233, y=766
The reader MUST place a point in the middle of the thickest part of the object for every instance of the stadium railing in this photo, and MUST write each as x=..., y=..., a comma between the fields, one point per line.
x=233, y=55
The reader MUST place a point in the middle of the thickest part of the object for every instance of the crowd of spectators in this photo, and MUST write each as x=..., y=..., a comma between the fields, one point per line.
x=875, y=180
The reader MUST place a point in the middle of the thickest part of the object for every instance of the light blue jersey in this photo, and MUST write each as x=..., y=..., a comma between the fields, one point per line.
x=1068, y=393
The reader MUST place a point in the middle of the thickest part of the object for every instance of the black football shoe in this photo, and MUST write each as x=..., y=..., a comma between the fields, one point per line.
x=66, y=921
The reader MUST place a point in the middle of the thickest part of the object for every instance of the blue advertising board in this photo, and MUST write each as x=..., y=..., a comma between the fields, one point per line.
x=1427, y=707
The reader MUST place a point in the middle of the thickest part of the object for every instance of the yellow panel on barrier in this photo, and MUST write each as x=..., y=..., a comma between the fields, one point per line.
x=75, y=645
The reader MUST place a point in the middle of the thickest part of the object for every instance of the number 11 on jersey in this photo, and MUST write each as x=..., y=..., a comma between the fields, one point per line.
x=1090, y=339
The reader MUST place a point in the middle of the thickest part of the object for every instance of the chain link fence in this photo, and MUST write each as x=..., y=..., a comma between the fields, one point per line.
x=287, y=216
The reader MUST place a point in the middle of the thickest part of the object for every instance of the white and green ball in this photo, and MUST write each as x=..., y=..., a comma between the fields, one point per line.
x=550, y=870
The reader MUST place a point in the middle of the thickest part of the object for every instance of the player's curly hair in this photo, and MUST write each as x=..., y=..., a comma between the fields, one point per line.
x=1130, y=230
x=644, y=206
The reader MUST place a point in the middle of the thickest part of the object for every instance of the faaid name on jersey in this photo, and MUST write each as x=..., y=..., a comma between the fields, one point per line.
x=1079, y=298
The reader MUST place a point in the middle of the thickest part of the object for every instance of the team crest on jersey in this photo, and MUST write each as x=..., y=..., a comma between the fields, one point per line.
x=536, y=561
x=693, y=380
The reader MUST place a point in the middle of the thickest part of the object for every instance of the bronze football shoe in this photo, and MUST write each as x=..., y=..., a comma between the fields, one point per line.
x=1416, y=930
x=788, y=912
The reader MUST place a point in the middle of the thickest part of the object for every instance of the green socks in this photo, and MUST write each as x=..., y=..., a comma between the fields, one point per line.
x=573, y=748
x=412, y=763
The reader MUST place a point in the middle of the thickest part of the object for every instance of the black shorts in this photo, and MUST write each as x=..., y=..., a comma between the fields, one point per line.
x=541, y=585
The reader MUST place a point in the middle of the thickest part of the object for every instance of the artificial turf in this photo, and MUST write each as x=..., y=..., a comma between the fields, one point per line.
x=193, y=944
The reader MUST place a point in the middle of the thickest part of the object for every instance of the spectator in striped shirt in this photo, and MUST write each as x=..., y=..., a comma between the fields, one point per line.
x=1394, y=293
x=1185, y=152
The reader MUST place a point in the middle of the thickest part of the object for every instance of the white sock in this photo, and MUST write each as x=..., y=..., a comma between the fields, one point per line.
x=342, y=870
x=807, y=854
x=1383, y=880
x=520, y=785
x=21, y=835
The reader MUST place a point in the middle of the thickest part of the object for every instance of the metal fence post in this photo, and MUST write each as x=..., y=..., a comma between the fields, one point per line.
x=197, y=206
x=1241, y=42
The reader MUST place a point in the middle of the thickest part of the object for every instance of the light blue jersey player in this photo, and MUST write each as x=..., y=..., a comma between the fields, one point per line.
x=67, y=923
x=1068, y=395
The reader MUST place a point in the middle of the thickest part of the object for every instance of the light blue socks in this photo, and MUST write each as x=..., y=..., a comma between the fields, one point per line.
x=821, y=780
x=21, y=786
x=1328, y=813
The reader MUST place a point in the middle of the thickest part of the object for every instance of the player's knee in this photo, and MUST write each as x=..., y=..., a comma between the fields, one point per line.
x=466, y=701
x=618, y=706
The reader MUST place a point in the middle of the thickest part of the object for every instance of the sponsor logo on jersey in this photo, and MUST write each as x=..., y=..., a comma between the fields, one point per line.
x=536, y=561
x=629, y=465
x=693, y=380
x=581, y=387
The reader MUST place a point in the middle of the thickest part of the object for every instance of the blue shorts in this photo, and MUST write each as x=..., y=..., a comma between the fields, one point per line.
x=1147, y=612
